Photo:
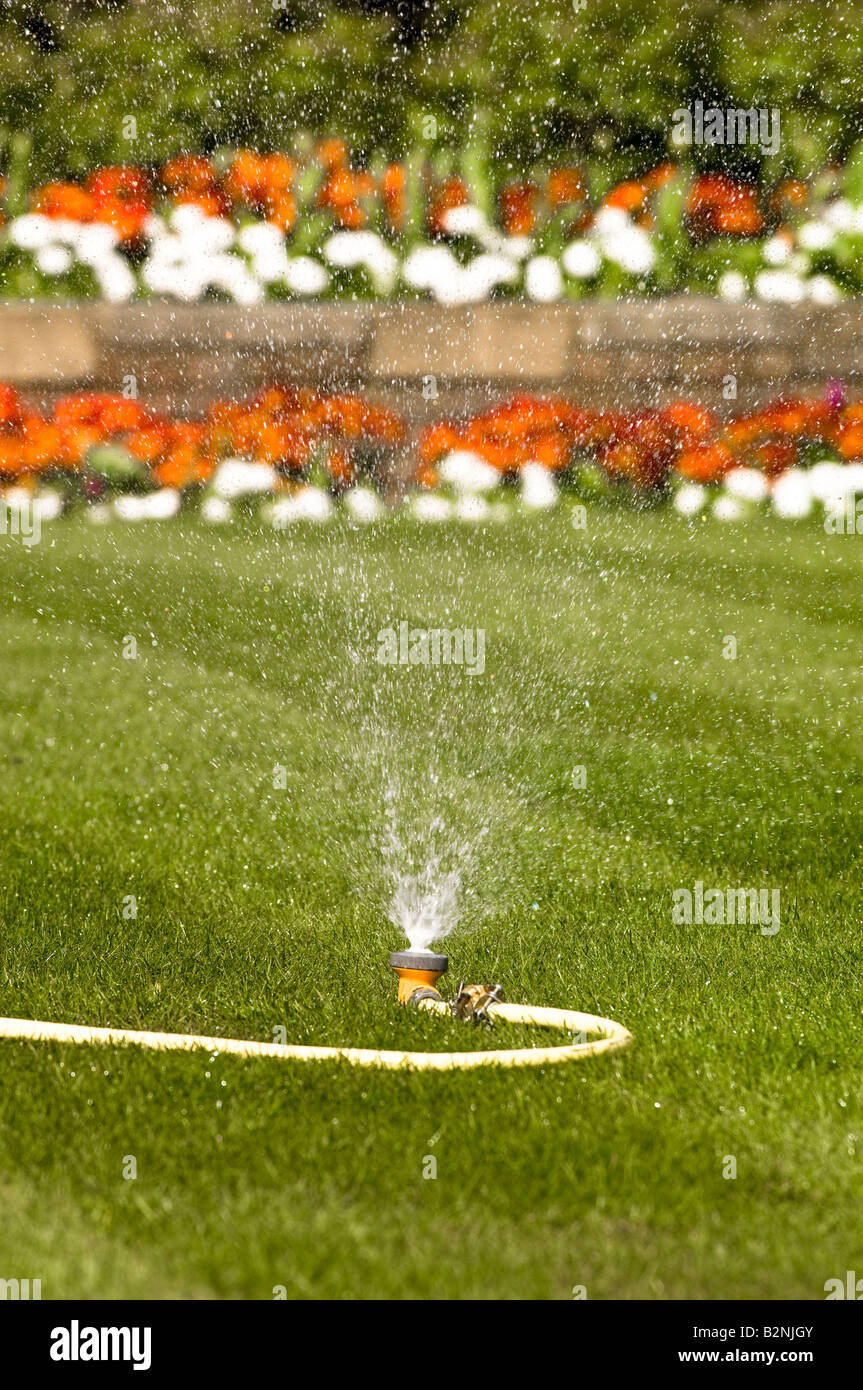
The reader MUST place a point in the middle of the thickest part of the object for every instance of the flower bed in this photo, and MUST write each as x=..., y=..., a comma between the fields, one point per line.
x=298, y=453
x=249, y=227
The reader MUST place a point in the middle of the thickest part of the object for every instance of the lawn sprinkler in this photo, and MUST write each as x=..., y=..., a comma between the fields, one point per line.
x=418, y=972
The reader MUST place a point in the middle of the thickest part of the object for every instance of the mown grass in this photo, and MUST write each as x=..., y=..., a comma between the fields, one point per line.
x=261, y=907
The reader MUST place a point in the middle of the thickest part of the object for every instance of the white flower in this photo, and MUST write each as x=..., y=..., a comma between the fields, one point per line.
x=463, y=221
x=116, y=281
x=468, y=472
x=279, y=513
x=155, y=228
x=779, y=287
x=815, y=236
x=841, y=215
x=54, y=260
x=542, y=279
x=485, y=271
x=309, y=504
x=271, y=266
x=363, y=504
x=263, y=241
x=792, y=495
x=776, y=250
x=514, y=248
x=347, y=249
x=427, y=507
x=32, y=231
x=428, y=266
x=727, y=508
x=383, y=266
x=538, y=488
x=823, y=290
x=853, y=476
x=622, y=242
x=829, y=480
x=610, y=222
x=748, y=484
x=95, y=243
x=733, y=286
x=208, y=234
x=690, y=499
x=312, y=504
x=165, y=277
x=306, y=276
x=47, y=505
x=260, y=239
x=155, y=506
x=449, y=282
x=231, y=275
x=240, y=478
x=632, y=252
x=581, y=260
x=216, y=510
x=75, y=234
x=472, y=508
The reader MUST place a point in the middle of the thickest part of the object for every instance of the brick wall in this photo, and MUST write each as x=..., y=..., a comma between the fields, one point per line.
x=619, y=353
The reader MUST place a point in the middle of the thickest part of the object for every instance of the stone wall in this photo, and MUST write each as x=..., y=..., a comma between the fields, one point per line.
x=615, y=353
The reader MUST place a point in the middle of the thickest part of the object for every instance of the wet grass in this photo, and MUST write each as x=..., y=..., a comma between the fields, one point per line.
x=263, y=906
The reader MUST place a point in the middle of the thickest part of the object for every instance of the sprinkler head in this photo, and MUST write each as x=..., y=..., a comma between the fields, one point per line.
x=417, y=972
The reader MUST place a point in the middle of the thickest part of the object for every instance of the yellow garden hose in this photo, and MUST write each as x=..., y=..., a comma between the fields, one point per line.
x=613, y=1036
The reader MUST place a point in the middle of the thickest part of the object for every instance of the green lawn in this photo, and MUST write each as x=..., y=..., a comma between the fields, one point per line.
x=260, y=906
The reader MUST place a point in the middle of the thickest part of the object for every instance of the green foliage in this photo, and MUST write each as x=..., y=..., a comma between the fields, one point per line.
x=523, y=83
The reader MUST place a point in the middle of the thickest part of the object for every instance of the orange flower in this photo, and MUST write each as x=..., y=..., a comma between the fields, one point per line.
x=188, y=173
x=564, y=185
x=705, y=463
x=850, y=441
x=629, y=196
x=11, y=407
x=452, y=193
x=10, y=456
x=717, y=204
x=393, y=193
x=775, y=456
x=341, y=468
x=339, y=193
x=689, y=421
x=332, y=154
x=791, y=193
x=660, y=176
x=67, y=200
x=517, y=208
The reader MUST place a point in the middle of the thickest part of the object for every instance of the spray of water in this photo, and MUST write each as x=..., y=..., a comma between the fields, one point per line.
x=426, y=906
x=426, y=859
x=428, y=866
